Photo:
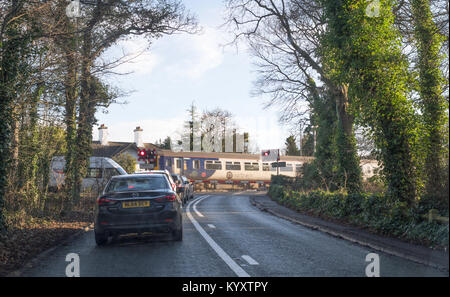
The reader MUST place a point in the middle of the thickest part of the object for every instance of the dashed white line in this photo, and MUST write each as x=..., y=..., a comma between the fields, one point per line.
x=249, y=260
x=211, y=226
x=222, y=254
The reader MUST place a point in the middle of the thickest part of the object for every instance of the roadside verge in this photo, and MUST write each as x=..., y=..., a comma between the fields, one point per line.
x=36, y=259
x=420, y=254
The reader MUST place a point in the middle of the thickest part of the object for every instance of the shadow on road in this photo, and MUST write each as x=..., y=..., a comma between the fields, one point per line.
x=136, y=239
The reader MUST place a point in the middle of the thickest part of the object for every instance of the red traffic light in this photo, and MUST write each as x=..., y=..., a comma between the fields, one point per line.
x=141, y=154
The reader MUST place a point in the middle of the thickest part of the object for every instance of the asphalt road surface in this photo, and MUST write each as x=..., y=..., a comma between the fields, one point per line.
x=226, y=236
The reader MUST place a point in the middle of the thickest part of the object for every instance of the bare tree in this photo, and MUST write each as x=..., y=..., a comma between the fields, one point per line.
x=284, y=36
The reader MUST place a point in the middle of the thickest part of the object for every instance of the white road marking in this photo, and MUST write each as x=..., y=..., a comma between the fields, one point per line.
x=222, y=254
x=211, y=226
x=195, y=205
x=249, y=260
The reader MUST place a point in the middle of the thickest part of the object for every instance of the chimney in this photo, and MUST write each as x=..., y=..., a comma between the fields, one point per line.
x=138, y=137
x=103, y=134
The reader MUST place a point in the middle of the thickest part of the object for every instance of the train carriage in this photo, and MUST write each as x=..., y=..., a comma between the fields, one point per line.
x=226, y=168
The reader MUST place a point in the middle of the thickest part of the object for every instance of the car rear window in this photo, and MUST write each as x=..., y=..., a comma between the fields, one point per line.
x=137, y=184
x=175, y=177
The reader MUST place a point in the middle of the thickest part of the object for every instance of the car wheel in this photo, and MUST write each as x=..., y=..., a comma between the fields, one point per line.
x=178, y=234
x=101, y=239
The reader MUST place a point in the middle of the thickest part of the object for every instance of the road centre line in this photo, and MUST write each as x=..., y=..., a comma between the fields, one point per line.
x=211, y=226
x=220, y=252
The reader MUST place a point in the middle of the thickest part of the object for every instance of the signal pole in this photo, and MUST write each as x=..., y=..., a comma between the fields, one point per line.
x=278, y=161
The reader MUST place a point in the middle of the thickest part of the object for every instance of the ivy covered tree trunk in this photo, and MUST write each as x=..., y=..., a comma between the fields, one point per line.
x=29, y=152
x=364, y=52
x=69, y=49
x=349, y=170
x=324, y=117
x=11, y=46
x=86, y=117
x=432, y=102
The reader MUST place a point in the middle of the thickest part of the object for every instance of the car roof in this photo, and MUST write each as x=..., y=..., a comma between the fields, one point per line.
x=137, y=175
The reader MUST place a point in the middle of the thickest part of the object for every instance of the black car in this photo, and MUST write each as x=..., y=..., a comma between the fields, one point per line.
x=189, y=186
x=138, y=203
x=182, y=187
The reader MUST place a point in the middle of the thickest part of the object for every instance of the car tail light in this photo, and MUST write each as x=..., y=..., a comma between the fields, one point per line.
x=167, y=198
x=104, y=201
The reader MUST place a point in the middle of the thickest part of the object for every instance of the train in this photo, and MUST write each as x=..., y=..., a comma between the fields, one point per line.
x=236, y=168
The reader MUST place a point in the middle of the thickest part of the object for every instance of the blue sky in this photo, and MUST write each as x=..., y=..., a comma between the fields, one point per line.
x=182, y=68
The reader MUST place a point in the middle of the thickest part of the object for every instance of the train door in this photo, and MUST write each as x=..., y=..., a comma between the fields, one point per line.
x=177, y=165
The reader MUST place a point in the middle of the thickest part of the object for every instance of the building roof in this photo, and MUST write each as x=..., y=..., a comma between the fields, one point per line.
x=115, y=148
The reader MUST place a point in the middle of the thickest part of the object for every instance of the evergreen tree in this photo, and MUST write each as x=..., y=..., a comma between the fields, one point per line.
x=291, y=147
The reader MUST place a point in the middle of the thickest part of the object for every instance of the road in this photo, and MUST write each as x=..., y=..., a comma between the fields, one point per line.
x=226, y=236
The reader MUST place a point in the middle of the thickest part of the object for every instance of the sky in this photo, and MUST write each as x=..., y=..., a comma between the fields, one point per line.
x=176, y=70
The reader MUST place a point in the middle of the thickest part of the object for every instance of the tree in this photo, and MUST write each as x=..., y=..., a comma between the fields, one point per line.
x=285, y=38
x=432, y=103
x=127, y=162
x=291, y=147
x=167, y=144
x=217, y=122
x=307, y=145
x=365, y=57
x=17, y=31
x=106, y=23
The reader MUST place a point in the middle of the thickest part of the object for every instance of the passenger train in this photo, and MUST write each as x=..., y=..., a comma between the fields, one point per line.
x=236, y=168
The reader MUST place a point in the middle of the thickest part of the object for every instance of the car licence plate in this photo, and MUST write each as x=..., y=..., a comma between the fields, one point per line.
x=132, y=204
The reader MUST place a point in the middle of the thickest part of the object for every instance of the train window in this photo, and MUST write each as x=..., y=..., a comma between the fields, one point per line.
x=251, y=166
x=216, y=165
x=287, y=168
x=265, y=167
x=186, y=164
x=178, y=163
x=196, y=164
x=272, y=168
x=233, y=165
x=168, y=162
x=298, y=167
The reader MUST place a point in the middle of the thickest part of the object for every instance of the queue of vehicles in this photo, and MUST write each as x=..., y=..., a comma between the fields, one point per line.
x=148, y=201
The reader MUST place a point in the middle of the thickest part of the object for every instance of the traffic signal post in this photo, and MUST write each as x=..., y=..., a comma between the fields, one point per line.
x=272, y=155
x=149, y=156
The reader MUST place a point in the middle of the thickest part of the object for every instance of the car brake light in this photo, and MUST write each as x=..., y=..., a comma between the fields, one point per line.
x=103, y=200
x=167, y=198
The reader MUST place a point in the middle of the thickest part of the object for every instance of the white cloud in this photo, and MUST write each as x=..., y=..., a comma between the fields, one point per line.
x=195, y=54
x=137, y=55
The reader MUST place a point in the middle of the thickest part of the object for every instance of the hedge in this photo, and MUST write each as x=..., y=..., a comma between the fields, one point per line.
x=372, y=211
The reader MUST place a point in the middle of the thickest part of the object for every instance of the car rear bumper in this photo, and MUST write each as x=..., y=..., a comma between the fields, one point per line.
x=111, y=225
x=153, y=228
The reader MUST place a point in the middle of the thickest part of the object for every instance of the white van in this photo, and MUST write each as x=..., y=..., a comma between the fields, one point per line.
x=100, y=170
